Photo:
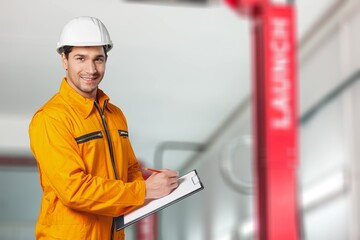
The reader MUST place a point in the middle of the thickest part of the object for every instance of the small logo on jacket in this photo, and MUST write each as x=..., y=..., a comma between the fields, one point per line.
x=123, y=133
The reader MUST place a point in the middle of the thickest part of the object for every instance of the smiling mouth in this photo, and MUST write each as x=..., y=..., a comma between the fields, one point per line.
x=89, y=79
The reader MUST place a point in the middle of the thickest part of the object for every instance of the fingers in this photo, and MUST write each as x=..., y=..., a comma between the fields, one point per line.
x=171, y=177
x=173, y=181
x=161, y=184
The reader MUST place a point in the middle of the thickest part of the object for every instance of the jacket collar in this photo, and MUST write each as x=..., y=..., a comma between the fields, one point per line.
x=80, y=103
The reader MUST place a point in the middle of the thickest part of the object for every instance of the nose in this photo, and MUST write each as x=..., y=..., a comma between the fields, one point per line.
x=91, y=67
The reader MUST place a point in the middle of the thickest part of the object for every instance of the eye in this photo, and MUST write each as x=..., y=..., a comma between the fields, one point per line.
x=81, y=59
x=99, y=60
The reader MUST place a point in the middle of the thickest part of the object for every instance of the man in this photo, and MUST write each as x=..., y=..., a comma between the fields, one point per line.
x=88, y=171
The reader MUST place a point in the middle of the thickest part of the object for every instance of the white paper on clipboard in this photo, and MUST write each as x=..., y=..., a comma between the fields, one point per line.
x=189, y=184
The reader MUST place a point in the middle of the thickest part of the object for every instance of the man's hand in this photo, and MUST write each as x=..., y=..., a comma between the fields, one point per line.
x=161, y=184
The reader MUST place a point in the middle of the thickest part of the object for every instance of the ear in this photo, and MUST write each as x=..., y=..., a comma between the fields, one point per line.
x=64, y=61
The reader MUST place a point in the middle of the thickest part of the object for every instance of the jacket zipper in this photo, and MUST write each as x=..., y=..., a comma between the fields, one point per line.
x=110, y=150
x=107, y=137
x=88, y=137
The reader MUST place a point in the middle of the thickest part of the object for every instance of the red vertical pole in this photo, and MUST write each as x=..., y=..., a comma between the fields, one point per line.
x=275, y=112
x=146, y=229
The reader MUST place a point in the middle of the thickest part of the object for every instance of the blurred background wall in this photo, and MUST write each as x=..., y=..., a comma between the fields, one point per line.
x=328, y=175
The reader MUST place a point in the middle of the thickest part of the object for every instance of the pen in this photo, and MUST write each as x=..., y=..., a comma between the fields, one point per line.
x=152, y=170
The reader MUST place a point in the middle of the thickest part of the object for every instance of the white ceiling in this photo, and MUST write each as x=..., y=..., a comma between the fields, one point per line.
x=177, y=72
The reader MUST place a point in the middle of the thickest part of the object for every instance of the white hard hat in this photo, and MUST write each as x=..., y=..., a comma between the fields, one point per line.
x=84, y=31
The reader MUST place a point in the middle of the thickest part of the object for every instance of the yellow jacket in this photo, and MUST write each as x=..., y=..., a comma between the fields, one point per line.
x=88, y=171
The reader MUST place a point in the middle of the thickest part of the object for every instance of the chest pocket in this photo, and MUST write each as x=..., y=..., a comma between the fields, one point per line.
x=125, y=148
x=89, y=137
x=91, y=149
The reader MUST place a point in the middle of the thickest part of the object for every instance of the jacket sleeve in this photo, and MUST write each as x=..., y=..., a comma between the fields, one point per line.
x=134, y=172
x=63, y=171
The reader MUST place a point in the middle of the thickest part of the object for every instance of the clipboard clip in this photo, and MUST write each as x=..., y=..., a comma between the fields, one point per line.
x=195, y=180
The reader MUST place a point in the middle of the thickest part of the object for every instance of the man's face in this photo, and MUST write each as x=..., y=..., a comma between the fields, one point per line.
x=85, y=69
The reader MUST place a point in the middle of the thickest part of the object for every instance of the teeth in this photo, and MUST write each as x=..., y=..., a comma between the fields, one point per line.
x=88, y=79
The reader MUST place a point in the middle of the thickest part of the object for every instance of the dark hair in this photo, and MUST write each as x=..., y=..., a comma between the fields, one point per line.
x=67, y=49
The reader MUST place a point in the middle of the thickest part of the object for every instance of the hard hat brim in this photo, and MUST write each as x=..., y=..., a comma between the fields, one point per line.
x=109, y=46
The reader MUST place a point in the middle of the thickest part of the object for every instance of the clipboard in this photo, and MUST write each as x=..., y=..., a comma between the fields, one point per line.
x=189, y=184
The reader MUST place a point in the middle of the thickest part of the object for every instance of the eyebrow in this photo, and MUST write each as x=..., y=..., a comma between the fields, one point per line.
x=84, y=55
